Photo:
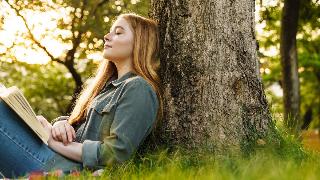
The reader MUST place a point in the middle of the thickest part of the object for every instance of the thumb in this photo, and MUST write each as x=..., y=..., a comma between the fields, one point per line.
x=42, y=120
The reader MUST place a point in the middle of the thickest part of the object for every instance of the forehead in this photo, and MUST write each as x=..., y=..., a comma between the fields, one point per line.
x=120, y=22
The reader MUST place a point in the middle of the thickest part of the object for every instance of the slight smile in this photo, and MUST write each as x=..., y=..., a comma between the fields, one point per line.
x=107, y=46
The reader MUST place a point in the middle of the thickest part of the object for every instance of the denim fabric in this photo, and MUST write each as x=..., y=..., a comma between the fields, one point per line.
x=21, y=151
x=120, y=118
x=118, y=121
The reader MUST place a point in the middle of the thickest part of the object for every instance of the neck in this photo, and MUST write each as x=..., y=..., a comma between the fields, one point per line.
x=123, y=67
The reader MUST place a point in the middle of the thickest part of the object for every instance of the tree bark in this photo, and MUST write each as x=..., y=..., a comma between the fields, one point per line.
x=213, y=95
x=289, y=63
x=307, y=118
x=78, y=82
x=69, y=63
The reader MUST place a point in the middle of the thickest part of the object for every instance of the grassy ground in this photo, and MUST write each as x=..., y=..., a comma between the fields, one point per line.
x=288, y=160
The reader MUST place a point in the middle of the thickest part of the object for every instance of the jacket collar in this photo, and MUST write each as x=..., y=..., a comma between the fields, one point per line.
x=119, y=81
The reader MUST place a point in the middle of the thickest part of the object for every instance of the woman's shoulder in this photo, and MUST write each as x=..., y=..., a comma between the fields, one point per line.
x=137, y=86
x=138, y=82
x=138, y=91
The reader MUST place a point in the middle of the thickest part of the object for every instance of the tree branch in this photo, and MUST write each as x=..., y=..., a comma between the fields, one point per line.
x=32, y=36
x=76, y=39
x=100, y=4
x=8, y=49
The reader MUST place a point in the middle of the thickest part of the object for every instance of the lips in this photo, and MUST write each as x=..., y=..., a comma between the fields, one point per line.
x=107, y=46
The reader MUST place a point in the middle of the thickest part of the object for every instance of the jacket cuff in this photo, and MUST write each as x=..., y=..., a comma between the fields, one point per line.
x=90, y=153
x=59, y=119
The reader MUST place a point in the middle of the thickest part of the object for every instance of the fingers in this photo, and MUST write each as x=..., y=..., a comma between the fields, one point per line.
x=63, y=132
x=53, y=132
x=69, y=132
x=56, y=133
x=42, y=120
x=63, y=135
x=73, y=133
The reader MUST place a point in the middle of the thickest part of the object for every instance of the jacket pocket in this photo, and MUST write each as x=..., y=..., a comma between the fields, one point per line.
x=100, y=116
x=108, y=109
x=104, y=118
x=101, y=108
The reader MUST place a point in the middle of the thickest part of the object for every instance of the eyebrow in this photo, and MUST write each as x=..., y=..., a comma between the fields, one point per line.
x=117, y=27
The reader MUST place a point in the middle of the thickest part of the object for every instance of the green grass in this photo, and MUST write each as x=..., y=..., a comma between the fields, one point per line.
x=286, y=160
x=262, y=165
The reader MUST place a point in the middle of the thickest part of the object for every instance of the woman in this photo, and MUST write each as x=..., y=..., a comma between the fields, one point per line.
x=111, y=118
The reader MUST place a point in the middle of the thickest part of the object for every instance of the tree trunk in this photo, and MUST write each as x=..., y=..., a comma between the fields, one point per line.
x=213, y=95
x=289, y=63
x=69, y=63
x=307, y=118
x=78, y=82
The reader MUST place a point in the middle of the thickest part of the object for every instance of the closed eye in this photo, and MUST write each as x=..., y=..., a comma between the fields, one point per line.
x=117, y=29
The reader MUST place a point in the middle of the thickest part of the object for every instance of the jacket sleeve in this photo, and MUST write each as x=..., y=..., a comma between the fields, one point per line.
x=134, y=116
x=60, y=118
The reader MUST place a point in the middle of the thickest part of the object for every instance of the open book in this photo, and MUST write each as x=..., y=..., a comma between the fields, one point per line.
x=17, y=102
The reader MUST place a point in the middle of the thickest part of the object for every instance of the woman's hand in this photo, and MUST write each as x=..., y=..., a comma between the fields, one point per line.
x=72, y=151
x=62, y=131
x=47, y=126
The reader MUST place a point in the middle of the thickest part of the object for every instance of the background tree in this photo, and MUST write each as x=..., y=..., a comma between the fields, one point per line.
x=213, y=93
x=79, y=29
x=308, y=41
x=289, y=64
x=84, y=24
x=47, y=87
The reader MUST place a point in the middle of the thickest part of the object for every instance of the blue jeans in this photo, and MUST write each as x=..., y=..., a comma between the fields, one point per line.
x=21, y=151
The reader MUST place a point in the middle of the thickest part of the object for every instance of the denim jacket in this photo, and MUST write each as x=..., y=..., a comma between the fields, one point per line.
x=120, y=117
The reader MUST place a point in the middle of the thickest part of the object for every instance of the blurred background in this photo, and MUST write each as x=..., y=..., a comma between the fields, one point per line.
x=49, y=49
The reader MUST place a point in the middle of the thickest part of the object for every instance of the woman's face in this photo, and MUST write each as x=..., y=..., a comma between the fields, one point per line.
x=119, y=41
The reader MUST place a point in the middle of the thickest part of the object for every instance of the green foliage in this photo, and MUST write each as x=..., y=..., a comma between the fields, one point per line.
x=96, y=20
x=308, y=41
x=286, y=160
x=49, y=87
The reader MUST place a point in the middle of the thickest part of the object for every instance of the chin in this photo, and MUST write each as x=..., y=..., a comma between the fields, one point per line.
x=106, y=55
x=108, y=58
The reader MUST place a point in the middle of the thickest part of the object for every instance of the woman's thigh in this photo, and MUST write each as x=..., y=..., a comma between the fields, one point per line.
x=21, y=151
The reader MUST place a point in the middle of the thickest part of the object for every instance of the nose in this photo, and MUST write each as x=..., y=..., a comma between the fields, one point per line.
x=107, y=37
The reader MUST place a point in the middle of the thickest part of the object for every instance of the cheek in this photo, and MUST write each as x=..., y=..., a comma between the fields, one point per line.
x=121, y=48
x=124, y=45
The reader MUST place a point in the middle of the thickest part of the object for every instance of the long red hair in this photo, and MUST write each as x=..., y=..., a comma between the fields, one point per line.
x=146, y=64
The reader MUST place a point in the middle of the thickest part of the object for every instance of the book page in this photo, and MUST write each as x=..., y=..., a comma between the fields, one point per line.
x=2, y=87
x=24, y=104
x=15, y=99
